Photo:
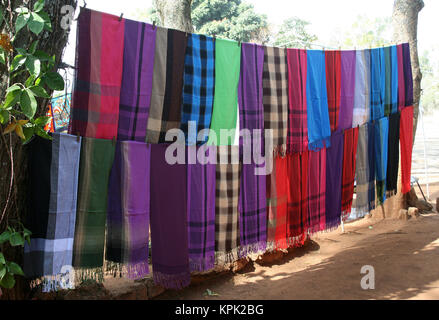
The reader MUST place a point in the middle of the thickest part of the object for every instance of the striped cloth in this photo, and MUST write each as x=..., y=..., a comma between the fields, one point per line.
x=348, y=64
x=381, y=147
x=393, y=155
x=316, y=191
x=198, y=87
x=333, y=77
x=361, y=112
x=99, y=59
x=348, y=178
x=378, y=83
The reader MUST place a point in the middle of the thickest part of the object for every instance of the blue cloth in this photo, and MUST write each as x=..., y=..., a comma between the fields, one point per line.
x=377, y=82
x=394, y=77
x=381, y=128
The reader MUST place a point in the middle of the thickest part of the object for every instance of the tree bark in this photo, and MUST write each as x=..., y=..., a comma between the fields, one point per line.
x=175, y=14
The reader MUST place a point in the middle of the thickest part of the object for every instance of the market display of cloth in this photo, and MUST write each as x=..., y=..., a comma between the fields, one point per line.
x=348, y=63
x=334, y=164
x=167, y=85
x=297, y=137
x=391, y=95
x=225, y=103
x=361, y=112
x=381, y=148
x=408, y=77
x=198, y=87
x=348, y=177
x=377, y=83
x=97, y=157
x=135, y=92
x=406, y=141
x=319, y=130
x=128, y=211
x=401, y=77
x=53, y=171
x=58, y=111
x=99, y=61
x=393, y=155
x=333, y=77
x=168, y=221
x=201, y=180
x=275, y=96
x=316, y=191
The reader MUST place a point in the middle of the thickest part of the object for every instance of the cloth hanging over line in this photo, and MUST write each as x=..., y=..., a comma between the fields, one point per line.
x=319, y=130
x=406, y=141
x=138, y=68
x=198, y=86
x=348, y=63
x=401, y=78
x=408, y=77
x=167, y=85
x=128, y=211
x=348, y=178
x=378, y=83
x=393, y=155
x=225, y=103
x=381, y=145
x=316, y=191
x=99, y=60
x=53, y=171
x=333, y=78
x=94, y=171
x=361, y=111
x=275, y=96
x=394, y=79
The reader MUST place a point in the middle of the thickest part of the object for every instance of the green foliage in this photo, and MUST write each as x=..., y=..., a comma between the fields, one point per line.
x=292, y=33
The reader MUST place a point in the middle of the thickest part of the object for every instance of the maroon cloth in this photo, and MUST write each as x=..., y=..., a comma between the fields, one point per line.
x=333, y=80
x=349, y=161
x=316, y=191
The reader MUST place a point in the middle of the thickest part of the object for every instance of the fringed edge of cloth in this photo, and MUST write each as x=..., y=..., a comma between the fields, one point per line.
x=89, y=274
x=172, y=281
x=223, y=258
x=202, y=264
x=253, y=248
x=61, y=281
x=132, y=271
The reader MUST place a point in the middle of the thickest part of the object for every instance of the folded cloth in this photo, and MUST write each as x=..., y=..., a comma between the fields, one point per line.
x=128, y=211
x=406, y=141
x=53, y=171
x=297, y=138
x=97, y=157
x=393, y=155
x=348, y=58
x=319, y=130
x=167, y=85
x=316, y=191
x=225, y=103
x=334, y=163
x=275, y=96
x=348, y=178
x=198, y=87
x=333, y=77
x=135, y=93
x=378, y=83
x=99, y=58
x=361, y=112
x=169, y=221
x=201, y=179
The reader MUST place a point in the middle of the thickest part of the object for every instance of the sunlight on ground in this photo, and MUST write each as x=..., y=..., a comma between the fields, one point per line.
x=431, y=246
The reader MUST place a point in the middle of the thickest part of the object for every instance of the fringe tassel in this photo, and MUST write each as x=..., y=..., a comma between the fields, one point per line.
x=390, y=193
x=61, y=281
x=253, y=248
x=89, y=274
x=172, y=281
x=223, y=258
x=346, y=213
x=202, y=264
x=130, y=270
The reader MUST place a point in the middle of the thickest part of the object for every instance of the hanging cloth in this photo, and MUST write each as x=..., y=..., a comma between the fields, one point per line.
x=361, y=112
x=388, y=81
x=316, y=191
x=348, y=178
x=401, y=78
x=406, y=140
x=381, y=148
x=408, y=77
x=378, y=83
x=333, y=81
x=348, y=63
x=393, y=155
x=394, y=79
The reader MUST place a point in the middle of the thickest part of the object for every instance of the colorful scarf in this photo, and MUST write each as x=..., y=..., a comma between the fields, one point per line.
x=138, y=68
x=348, y=178
x=388, y=81
x=348, y=59
x=169, y=221
x=381, y=146
x=394, y=80
x=406, y=140
x=378, y=83
x=401, y=78
x=334, y=164
x=94, y=171
x=333, y=77
x=361, y=112
x=393, y=155
x=99, y=58
x=365, y=171
x=275, y=96
x=128, y=211
x=297, y=140
x=319, y=130
x=408, y=77
x=201, y=179
x=225, y=103
x=316, y=191
x=167, y=85
x=198, y=87
x=277, y=189
x=53, y=171
x=226, y=204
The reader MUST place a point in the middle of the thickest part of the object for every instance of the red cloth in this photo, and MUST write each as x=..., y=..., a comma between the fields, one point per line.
x=333, y=88
x=348, y=175
x=406, y=141
x=316, y=220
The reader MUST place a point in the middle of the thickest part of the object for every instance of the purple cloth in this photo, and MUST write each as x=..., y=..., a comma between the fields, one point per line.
x=135, y=93
x=201, y=210
x=408, y=77
x=347, y=84
x=169, y=232
x=334, y=164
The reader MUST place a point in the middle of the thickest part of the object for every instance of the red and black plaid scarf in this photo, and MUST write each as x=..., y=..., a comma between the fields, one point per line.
x=348, y=176
x=333, y=80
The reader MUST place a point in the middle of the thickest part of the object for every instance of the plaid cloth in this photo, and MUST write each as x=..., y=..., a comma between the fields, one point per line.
x=348, y=63
x=408, y=77
x=94, y=171
x=53, y=171
x=226, y=204
x=316, y=191
x=128, y=211
x=348, y=178
x=297, y=140
x=401, y=78
x=381, y=147
x=201, y=210
x=198, y=86
x=378, y=83
x=99, y=58
x=275, y=96
x=393, y=155
x=361, y=113
x=333, y=78
x=406, y=141
x=167, y=85
x=135, y=93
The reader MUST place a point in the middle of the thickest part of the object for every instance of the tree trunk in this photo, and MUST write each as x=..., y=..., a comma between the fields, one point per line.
x=53, y=43
x=175, y=14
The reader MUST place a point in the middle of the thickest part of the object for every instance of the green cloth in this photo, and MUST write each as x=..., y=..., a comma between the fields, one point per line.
x=97, y=157
x=225, y=105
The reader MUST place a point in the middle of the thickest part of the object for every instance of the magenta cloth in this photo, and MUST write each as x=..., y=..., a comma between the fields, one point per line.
x=408, y=77
x=347, y=88
x=169, y=231
x=135, y=93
